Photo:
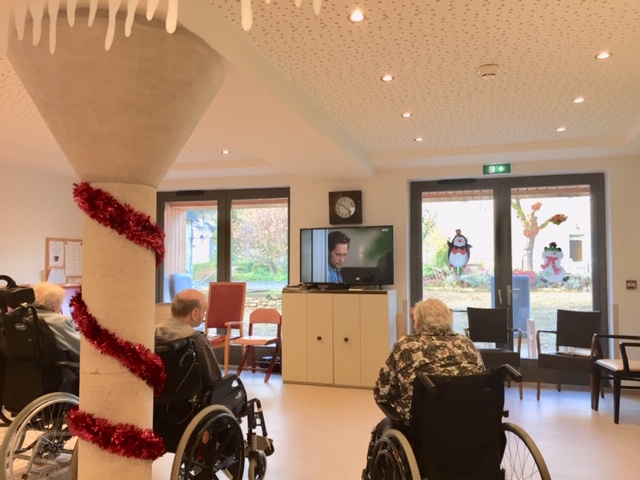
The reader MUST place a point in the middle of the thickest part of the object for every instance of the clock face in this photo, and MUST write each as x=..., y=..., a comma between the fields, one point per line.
x=345, y=207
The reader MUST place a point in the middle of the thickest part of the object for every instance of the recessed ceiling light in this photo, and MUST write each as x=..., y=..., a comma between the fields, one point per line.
x=226, y=152
x=407, y=114
x=387, y=78
x=603, y=55
x=578, y=100
x=561, y=129
x=419, y=139
x=356, y=16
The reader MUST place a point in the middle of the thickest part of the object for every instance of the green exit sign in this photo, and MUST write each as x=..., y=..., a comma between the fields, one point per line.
x=496, y=169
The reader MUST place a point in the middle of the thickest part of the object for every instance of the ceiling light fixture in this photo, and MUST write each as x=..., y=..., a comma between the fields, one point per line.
x=488, y=71
x=226, y=152
x=387, y=78
x=578, y=100
x=407, y=114
x=561, y=129
x=603, y=55
x=419, y=139
x=356, y=16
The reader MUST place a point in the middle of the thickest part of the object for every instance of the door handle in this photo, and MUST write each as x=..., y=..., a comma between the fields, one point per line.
x=500, y=296
x=509, y=295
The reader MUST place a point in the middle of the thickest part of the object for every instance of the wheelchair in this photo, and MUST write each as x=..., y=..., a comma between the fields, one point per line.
x=38, y=386
x=203, y=426
x=456, y=432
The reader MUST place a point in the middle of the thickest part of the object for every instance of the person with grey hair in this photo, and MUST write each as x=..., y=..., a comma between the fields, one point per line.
x=188, y=311
x=48, y=304
x=434, y=349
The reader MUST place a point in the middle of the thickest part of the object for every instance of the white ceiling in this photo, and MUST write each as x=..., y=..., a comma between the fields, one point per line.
x=303, y=95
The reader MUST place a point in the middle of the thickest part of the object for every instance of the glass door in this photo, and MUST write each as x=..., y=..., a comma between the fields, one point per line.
x=526, y=243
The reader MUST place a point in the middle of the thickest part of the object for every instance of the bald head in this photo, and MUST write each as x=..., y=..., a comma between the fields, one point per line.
x=190, y=306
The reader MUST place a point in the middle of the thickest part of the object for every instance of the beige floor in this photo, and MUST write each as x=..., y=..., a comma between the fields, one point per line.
x=322, y=432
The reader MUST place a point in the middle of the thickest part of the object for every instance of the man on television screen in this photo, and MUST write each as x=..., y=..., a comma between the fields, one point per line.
x=338, y=249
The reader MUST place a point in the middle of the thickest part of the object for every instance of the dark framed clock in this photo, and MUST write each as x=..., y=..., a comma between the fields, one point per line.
x=345, y=207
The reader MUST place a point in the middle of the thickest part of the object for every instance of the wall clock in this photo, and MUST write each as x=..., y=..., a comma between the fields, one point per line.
x=345, y=207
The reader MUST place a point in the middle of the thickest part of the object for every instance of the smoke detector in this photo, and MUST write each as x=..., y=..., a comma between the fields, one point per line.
x=488, y=71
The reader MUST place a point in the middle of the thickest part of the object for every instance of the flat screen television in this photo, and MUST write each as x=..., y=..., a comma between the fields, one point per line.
x=368, y=260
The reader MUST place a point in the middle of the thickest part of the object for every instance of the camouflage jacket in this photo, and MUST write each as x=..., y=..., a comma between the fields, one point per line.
x=448, y=354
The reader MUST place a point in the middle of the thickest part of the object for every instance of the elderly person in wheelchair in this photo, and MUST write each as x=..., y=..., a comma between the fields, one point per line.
x=200, y=412
x=443, y=411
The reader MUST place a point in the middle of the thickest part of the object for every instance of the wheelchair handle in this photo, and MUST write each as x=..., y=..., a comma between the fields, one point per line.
x=427, y=382
x=507, y=369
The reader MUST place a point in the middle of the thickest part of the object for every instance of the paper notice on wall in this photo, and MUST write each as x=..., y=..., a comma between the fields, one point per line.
x=56, y=254
x=56, y=275
x=73, y=257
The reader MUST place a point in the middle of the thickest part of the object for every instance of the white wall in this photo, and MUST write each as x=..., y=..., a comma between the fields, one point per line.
x=40, y=205
x=34, y=205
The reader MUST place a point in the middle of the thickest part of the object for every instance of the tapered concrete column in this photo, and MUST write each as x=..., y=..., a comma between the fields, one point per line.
x=121, y=117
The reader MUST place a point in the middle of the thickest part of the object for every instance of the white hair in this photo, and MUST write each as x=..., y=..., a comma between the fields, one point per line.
x=49, y=296
x=432, y=316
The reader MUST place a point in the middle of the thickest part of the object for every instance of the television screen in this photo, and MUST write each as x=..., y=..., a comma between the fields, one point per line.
x=346, y=256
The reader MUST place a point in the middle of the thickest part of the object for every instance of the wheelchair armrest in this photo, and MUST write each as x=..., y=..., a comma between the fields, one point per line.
x=508, y=370
x=427, y=382
x=390, y=412
x=73, y=366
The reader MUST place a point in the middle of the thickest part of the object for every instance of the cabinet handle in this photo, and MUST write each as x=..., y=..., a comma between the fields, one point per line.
x=318, y=338
x=346, y=339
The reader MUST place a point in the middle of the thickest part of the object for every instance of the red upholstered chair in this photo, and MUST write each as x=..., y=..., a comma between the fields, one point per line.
x=257, y=317
x=225, y=315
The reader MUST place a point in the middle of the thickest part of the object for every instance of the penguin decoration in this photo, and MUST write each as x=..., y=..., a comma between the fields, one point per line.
x=459, y=250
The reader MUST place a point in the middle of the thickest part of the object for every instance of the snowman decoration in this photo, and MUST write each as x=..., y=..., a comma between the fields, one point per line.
x=459, y=250
x=552, y=271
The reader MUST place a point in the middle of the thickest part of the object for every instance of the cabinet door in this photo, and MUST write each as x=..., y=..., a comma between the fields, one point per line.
x=346, y=339
x=378, y=332
x=294, y=337
x=319, y=338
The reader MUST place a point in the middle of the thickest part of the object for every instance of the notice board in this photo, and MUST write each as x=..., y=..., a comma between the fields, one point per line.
x=64, y=261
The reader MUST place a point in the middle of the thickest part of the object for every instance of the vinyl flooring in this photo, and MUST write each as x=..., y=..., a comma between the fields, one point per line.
x=322, y=433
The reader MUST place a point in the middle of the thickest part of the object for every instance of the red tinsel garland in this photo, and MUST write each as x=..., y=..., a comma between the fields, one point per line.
x=137, y=358
x=106, y=210
x=121, y=439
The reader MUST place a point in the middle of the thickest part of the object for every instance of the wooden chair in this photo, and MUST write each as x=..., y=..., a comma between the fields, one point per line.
x=489, y=325
x=617, y=369
x=574, y=333
x=265, y=316
x=225, y=315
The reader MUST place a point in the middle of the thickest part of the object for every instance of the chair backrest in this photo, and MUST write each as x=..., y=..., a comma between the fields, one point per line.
x=576, y=328
x=179, y=282
x=29, y=354
x=457, y=427
x=489, y=325
x=179, y=403
x=265, y=315
x=226, y=303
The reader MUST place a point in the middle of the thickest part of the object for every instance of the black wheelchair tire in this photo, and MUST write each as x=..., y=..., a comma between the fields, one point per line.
x=522, y=458
x=218, y=420
x=257, y=465
x=394, y=451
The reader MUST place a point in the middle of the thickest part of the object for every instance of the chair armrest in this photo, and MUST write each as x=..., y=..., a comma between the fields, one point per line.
x=390, y=412
x=519, y=332
x=553, y=332
x=466, y=332
x=623, y=353
x=508, y=370
x=596, y=345
x=236, y=325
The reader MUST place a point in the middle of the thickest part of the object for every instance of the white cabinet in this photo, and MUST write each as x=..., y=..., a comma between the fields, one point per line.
x=337, y=338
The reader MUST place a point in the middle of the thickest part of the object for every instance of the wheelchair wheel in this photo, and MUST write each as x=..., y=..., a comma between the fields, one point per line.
x=257, y=465
x=38, y=443
x=393, y=458
x=212, y=443
x=521, y=458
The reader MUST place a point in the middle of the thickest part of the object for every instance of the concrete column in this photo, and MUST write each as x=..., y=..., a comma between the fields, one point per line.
x=121, y=117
